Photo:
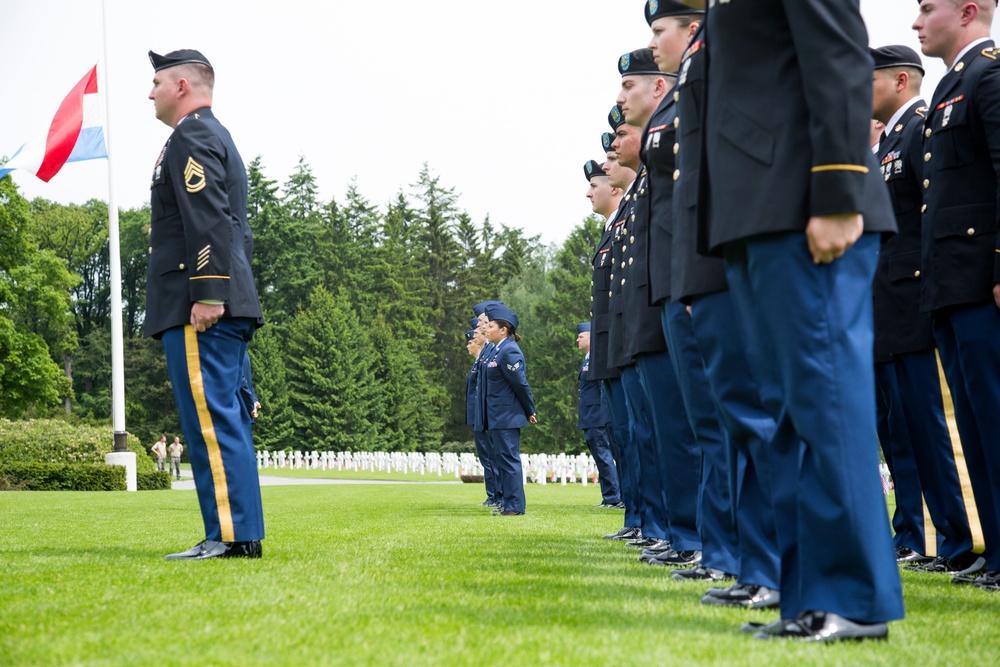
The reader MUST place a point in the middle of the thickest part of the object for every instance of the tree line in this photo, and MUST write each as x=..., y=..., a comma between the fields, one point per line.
x=365, y=306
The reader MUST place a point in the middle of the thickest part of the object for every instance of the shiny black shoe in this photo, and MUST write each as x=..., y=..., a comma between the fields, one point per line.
x=626, y=533
x=511, y=513
x=747, y=596
x=642, y=543
x=767, y=628
x=701, y=573
x=486, y=503
x=211, y=549
x=676, y=558
x=965, y=564
x=654, y=550
x=906, y=555
x=989, y=581
x=821, y=626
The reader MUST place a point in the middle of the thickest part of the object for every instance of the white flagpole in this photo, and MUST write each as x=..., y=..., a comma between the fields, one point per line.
x=120, y=455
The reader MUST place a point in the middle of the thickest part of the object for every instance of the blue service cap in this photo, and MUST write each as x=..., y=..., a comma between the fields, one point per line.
x=498, y=311
x=480, y=308
x=656, y=9
x=582, y=326
x=474, y=322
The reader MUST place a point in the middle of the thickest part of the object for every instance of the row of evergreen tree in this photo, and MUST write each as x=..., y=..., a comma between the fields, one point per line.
x=366, y=309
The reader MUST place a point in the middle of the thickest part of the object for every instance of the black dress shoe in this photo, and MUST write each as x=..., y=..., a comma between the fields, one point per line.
x=642, y=542
x=701, y=573
x=989, y=581
x=964, y=564
x=747, y=596
x=211, y=549
x=511, y=513
x=906, y=555
x=676, y=558
x=821, y=626
x=626, y=533
x=752, y=628
x=654, y=550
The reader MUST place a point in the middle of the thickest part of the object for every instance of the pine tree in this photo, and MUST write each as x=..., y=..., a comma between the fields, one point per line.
x=273, y=429
x=329, y=364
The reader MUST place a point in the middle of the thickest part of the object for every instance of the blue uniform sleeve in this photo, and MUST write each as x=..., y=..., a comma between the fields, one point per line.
x=831, y=44
x=512, y=368
x=198, y=177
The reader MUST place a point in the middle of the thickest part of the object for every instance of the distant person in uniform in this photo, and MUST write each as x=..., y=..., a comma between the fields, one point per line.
x=594, y=420
x=475, y=388
x=175, y=450
x=159, y=448
x=960, y=254
x=507, y=404
x=202, y=302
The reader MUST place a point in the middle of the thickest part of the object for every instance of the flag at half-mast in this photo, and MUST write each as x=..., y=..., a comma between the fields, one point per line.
x=76, y=133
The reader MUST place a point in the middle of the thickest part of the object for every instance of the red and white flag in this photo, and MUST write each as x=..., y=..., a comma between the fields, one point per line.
x=76, y=133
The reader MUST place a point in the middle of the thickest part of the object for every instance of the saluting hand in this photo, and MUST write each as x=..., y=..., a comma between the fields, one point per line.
x=204, y=315
x=830, y=236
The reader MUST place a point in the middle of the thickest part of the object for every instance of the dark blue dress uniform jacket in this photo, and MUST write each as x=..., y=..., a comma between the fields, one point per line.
x=600, y=303
x=642, y=328
x=899, y=325
x=592, y=409
x=764, y=154
x=507, y=396
x=199, y=242
x=657, y=153
x=470, y=392
x=961, y=250
x=691, y=274
x=479, y=388
x=617, y=358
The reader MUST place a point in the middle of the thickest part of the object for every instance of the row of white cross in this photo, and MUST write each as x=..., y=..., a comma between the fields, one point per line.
x=538, y=468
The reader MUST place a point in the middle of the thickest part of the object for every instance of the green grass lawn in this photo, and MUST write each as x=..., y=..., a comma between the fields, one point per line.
x=397, y=575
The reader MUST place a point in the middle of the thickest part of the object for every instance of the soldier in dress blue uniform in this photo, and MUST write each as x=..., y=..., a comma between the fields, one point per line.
x=201, y=300
x=620, y=179
x=960, y=255
x=650, y=489
x=700, y=282
x=674, y=454
x=909, y=377
x=799, y=267
x=474, y=413
x=594, y=420
x=507, y=404
x=475, y=341
x=673, y=25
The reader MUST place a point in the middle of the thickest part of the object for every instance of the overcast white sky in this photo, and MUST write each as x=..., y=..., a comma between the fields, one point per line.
x=504, y=100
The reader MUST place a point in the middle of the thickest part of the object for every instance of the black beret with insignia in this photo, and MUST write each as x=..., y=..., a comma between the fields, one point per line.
x=616, y=118
x=657, y=9
x=592, y=168
x=175, y=58
x=639, y=61
x=469, y=335
x=896, y=55
x=606, y=140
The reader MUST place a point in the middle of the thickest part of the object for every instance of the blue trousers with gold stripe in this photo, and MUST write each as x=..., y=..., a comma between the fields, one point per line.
x=205, y=370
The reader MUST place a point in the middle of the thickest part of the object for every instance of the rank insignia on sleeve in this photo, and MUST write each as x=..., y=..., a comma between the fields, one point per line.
x=514, y=367
x=194, y=176
x=203, y=256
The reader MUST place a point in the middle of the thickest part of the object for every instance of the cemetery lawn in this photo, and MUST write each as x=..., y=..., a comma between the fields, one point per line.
x=411, y=574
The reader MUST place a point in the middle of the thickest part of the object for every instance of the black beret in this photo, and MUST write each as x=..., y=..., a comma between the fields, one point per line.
x=175, y=58
x=896, y=55
x=592, y=168
x=606, y=140
x=469, y=335
x=656, y=9
x=639, y=61
x=616, y=118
